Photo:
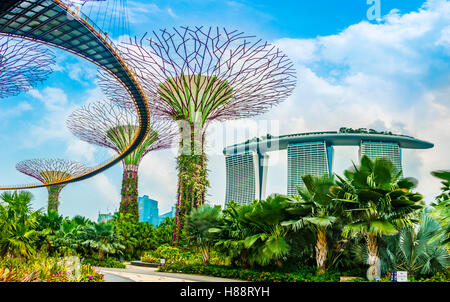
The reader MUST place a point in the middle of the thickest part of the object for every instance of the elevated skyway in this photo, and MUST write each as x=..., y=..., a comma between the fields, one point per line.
x=59, y=24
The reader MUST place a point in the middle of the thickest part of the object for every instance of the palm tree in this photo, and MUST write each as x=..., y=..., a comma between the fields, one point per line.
x=413, y=249
x=232, y=231
x=48, y=224
x=441, y=209
x=69, y=238
x=17, y=224
x=102, y=238
x=197, y=228
x=268, y=243
x=314, y=207
x=378, y=201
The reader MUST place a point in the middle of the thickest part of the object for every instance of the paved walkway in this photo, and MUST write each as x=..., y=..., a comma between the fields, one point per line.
x=134, y=273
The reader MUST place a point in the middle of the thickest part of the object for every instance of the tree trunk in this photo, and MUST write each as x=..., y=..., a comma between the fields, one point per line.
x=205, y=255
x=192, y=178
x=53, y=197
x=100, y=255
x=129, y=202
x=321, y=250
x=372, y=247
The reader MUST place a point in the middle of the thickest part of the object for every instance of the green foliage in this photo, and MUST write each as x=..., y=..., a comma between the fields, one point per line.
x=314, y=208
x=163, y=233
x=306, y=274
x=197, y=229
x=441, y=209
x=252, y=234
x=192, y=184
x=169, y=254
x=413, y=249
x=439, y=277
x=101, y=237
x=378, y=201
x=108, y=262
x=135, y=237
x=129, y=201
x=41, y=268
x=17, y=225
x=70, y=237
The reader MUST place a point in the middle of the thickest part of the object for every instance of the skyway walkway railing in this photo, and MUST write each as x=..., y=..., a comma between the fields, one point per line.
x=138, y=96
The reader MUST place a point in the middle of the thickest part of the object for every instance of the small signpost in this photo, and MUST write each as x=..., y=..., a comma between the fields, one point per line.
x=399, y=276
x=402, y=276
x=163, y=261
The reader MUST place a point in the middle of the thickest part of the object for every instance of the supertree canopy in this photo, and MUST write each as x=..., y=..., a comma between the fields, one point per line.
x=105, y=124
x=197, y=75
x=49, y=171
x=23, y=64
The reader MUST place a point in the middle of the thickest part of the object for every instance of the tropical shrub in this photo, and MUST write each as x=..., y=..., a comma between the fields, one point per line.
x=135, y=237
x=69, y=238
x=414, y=251
x=198, y=224
x=107, y=262
x=441, y=209
x=101, y=237
x=163, y=233
x=379, y=202
x=306, y=274
x=252, y=234
x=315, y=209
x=18, y=224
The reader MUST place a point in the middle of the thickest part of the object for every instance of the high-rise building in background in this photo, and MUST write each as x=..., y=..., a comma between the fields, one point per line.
x=171, y=213
x=313, y=158
x=388, y=150
x=246, y=176
x=149, y=211
x=308, y=153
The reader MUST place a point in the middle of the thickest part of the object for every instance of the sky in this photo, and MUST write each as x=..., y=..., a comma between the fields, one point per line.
x=390, y=73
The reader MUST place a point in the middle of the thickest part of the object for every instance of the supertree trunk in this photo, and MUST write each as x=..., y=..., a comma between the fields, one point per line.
x=53, y=197
x=192, y=180
x=129, y=202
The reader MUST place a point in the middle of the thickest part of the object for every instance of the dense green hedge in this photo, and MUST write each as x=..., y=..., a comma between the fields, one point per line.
x=306, y=274
x=303, y=275
x=108, y=262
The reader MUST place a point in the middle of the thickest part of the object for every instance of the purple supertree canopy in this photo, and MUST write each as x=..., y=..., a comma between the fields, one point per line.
x=222, y=74
x=51, y=170
x=23, y=64
x=103, y=123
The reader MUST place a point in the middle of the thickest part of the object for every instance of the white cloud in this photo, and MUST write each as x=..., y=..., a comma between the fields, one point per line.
x=107, y=190
x=171, y=13
x=389, y=75
x=81, y=73
x=158, y=178
x=54, y=99
x=16, y=110
x=80, y=150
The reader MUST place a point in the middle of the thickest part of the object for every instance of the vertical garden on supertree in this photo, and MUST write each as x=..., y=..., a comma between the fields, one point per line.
x=198, y=75
x=105, y=124
x=48, y=171
x=23, y=64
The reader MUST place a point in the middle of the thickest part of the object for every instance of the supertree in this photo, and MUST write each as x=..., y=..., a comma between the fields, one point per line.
x=23, y=64
x=49, y=171
x=198, y=75
x=105, y=124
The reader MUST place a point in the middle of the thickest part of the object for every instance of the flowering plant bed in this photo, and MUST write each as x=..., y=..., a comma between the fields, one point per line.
x=43, y=269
